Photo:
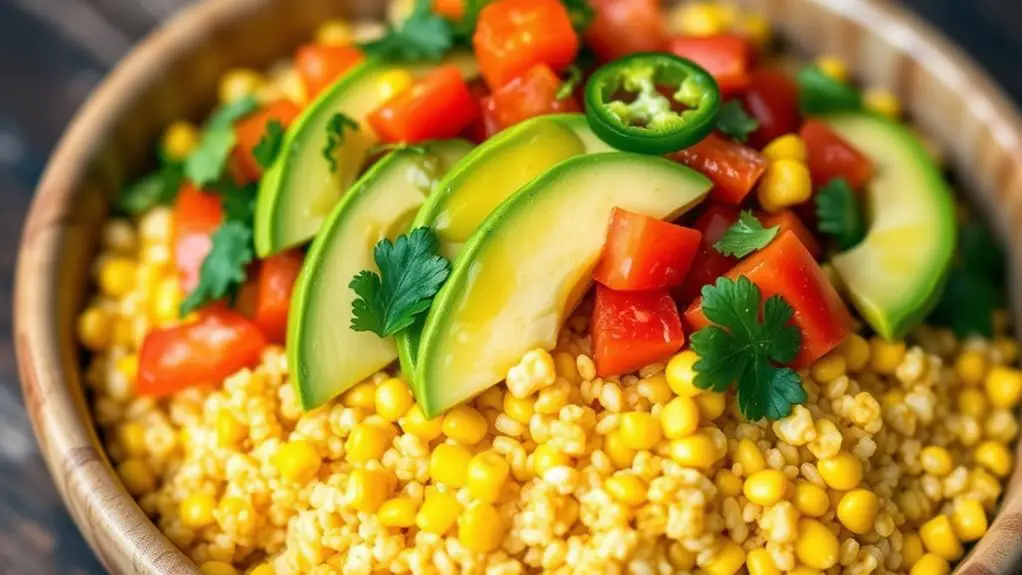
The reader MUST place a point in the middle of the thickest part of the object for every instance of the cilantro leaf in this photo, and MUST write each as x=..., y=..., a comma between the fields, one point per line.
x=224, y=269
x=745, y=236
x=975, y=284
x=266, y=150
x=581, y=13
x=735, y=122
x=238, y=202
x=570, y=83
x=839, y=214
x=206, y=163
x=818, y=93
x=158, y=188
x=411, y=273
x=423, y=36
x=741, y=350
x=335, y=128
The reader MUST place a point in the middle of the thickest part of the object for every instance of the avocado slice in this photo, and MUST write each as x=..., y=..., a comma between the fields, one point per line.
x=895, y=275
x=298, y=191
x=325, y=356
x=485, y=178
x=530, y=262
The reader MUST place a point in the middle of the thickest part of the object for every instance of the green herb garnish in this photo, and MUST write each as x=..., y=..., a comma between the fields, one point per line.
x=735, y=122
x=818, y=93
x=266, y=151
x=206, y=163
x=581, y=13
x=839, y=214
x=745, y=236
x=570, y=83
x=975, y=284
x=158, y=188
x=424, y=35
x=335, y=128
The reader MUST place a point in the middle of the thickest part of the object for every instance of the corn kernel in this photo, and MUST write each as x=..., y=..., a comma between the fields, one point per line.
x=415, y=422
x=765, y=487
x=696, y=450
x=972, y=402
x=567, y=367
x=179, y=140
x=702, y=18
x=756, y=28
x=640, y=430
x=828, y=368
x=882, y=102
x=816, y=546
x=858, y=510
x=465, y=425
x=481, y=528
x=803, y=570
x=137, y=476
x=486, y=476
x=393, y=399
x=398, y=512
x=263, y=569
x=217, y=568
x=728, y=559
x=394, y=82
x=969, y=520
x=785, y=183
x=132, y=436
x=95, y=328
x=786, y=147
x=334, y=33
x=627, y=488
x=931, y=564
x=759, y=562
x=680, y=417
x=439, y=512
x=811, y=499
x=939, y=538
x=165, y=306
x=196, y=510
x=748, y=455
x=239, y=83
x=229, y=431
x=362, y=396
x=369, y=488
x=518, y=409
x=728, y=483
x=680, y=374
x=841, y=472
x=449, y=464
x=971, y=366
x=936, y=460
x=366, y=442
x=681, y=558
x=298, y=460
x=711, y=405
x=1004, y=386
x=656, y=388
x=886, y=356
x=911, y=549
x=620, y=454
x=995, y=457
x=834, y=67
x=856, y=351
x=546, y=457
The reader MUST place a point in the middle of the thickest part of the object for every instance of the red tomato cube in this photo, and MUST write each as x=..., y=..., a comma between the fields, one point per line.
x=320, y=65
x=514, y=35
x=631, y=330
x=787, y=220
x=197, y=215
x=250, y=131
x=438, y=106
x=277, y=276
x=771, y=98
x=708, y=264
x=623, y=27
x=727, y=57
x=533, y=94
x=644, y=253
x=733, y=168
x=830, y=157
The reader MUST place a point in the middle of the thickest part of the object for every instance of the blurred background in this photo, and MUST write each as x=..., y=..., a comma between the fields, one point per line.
x=52, y=54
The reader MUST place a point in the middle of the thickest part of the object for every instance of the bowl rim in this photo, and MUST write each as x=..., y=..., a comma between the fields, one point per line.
x=80, y=472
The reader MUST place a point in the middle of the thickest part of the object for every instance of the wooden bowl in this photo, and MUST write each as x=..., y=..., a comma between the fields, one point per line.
x=174, y=73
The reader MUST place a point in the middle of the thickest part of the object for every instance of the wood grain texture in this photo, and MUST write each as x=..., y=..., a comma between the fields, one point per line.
x=49, y=65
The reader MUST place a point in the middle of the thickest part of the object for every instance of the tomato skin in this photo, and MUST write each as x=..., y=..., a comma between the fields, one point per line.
x=623, y=27
x=530, y=95
x=787, y=220
x=644, y=253
x=771, y=98
x=727, y=57
x=320, y=65
x=200, y=353
x=786, y=268
x=438, y=106
x=514, y=35
x=830, y=157
x=250, y=131
x=197, y=215
x=277, y=277
x=708, y=264
x=733, y=168
x=482, y=127
x=451, y=9
x=631, y=330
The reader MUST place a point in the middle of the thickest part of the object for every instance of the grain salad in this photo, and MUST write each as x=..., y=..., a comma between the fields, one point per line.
x=657, y=423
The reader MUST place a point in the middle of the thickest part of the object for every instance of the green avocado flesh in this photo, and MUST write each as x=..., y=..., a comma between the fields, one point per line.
x=485, y=178
x=895, y=276
x=529, y=263
x=325, y=356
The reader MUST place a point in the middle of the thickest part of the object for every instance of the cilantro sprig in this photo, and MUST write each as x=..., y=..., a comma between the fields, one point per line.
x=733, y=121
x=975, y=284
x=266, y=151
x=581, y=14
x=157, y=188
x=335, y=128
x=818, y=93
x=839, y=214
x=424, y=35
x=411, y=274
x=743, y=351
x=745, y=236
x=206, y=163
x=570, y=83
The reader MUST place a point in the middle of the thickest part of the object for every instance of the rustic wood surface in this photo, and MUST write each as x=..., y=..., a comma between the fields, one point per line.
x=52, y=52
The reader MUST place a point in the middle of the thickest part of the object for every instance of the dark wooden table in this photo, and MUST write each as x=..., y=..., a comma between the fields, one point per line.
x=52, y=52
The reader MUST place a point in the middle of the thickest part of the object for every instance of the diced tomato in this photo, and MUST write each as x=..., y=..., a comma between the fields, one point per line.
x=480, y=129
x=787, y=269
x=709, y=264
x=727, y=57
x=198, y=354
x=631, y=330
x=320, y=65
x=197, y=215
x=623, y=27
x=277, y=278
x=515, y=35
x=450, y=9
x=644, y=253
x=830, y=157
x=250, y=131
x=733, y=168
x=438, y=106
x=772, y=98
x=533, y=94
x=787, y=220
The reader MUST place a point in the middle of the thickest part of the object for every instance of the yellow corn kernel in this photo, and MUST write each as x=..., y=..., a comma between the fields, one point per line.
x=856, y=351
x=518, y=409
x=680, y=374
x=936, y=460
x=858, y=510
x=465, y=425
x=972, y=402
x=657, y=389
x=931, y=564
x=627, y=488
x=833, y=66
x=681, y=558
x=165, y=306
x=239, y=83
x=971, y=367
x=882, y=102
x=680, y=417
x=995, y=457
x=196, y=510
x=263, y=569
x=765, y=487
x=449, y=464
x=366, y=442
x=95, y=328
x=969, y=520
x=816, y=546
x=567, y=367
x=546, y=457
x=759, y=562
x=885, y=356
x=640, y=430
x=911, y=549
x=841, y=472
x=702, y=18
x=439, y=512
x=415, y=422
x=939, y=538
x=481, y=528
x=728, y=559
x=786, y=147
x=217, y=568
x=811, y=499
x=369, y=488
x=334, y=33
x=1004, y=386
x=179, y=140
x=127, y=366
x=398, y=512
x=696, y=450
x=362, y=396
x=486, y=476
x=228, y=429
x=137, y=476
x=785, y=183
x=298, y=460
x=728, y=483
x=132, y=436
x=711, y=405
x=803, y=570
x=393, y=399
x=828, y=368
x=393, y=82
x=748, y=455
x=756, y=28
x=620, y=454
